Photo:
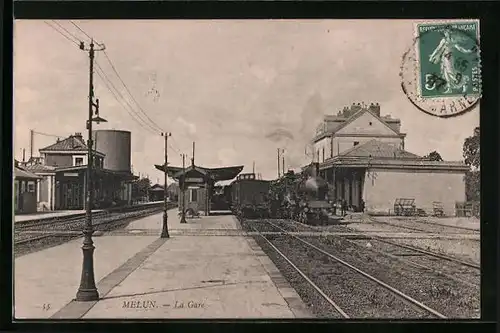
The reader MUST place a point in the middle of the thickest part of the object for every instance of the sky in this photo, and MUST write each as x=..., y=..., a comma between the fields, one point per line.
x=239, y=88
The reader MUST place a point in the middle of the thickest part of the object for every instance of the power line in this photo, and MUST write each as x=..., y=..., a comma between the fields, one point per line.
x=107, y=82
x=62, y=34
x=126, y=88
x=130, y=106
x=156, y=127
x=69, y=33
x=86, y=34
x=51, y=135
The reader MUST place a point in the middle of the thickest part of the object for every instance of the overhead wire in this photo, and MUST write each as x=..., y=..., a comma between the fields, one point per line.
x=67, y=31
x=61, y=33
x=47, y=134
x=152, y=126
x=127, y=89
x=81, y=30
x=107, y=82
x=121, y=80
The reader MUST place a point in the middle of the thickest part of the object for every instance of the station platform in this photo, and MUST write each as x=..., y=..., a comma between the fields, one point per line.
x=140, y=275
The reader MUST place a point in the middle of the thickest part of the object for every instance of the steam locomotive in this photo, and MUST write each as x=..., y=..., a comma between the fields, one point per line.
x=302, y=197
x=298, y=196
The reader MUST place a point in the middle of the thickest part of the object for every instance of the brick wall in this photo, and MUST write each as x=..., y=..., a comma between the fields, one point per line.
x=382, y=187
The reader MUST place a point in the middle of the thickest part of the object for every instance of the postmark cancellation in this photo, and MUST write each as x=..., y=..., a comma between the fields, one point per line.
x=441, y=71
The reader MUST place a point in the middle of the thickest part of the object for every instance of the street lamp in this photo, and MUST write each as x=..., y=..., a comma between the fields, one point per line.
x=183, y=213
x=164, y=232
x=87, y=290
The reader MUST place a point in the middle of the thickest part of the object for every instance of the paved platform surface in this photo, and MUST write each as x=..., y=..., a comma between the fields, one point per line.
x=145, y=276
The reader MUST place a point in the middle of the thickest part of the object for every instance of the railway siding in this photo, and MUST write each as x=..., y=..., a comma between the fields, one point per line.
x=455, y=298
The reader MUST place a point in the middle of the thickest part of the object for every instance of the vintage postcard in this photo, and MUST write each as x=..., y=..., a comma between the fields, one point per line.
x=246, y=169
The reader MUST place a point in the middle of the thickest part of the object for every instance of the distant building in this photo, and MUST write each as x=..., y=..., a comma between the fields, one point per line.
x=156, y=193
x=352, y=126
x=197, y=184
x=361, y=155
x=25, y=190
x=63, y=168
x=46, y=194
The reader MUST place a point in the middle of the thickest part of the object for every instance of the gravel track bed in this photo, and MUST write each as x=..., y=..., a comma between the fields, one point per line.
x=314, y=301
x=455, y=269
x=41, y=244
x=355, y=294
x=55, y=240
x=427, y=227
x=469, y=250
x=292, y=226
x=444, y=295
x=358, y=296
x=78, y=224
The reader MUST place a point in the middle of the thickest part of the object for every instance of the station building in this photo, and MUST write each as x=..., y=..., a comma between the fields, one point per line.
x=361, y=155
x=63, y=168
x=196, y=184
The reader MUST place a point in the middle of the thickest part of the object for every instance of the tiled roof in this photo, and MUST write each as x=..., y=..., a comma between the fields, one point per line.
x=395, y=163
x=21, y=173
x=74, y=143
x=156, y=187
x=40, y=168
x=379, y=149
x=217, y=174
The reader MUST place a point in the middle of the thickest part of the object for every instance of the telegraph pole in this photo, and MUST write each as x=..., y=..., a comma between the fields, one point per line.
x=88, y=290
x=32, y=140
x=278, y=163
x=283, y=161
x=164, y=231
x=183, y=212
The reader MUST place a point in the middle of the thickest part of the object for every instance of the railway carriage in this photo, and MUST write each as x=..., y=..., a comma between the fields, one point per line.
x=249, y=196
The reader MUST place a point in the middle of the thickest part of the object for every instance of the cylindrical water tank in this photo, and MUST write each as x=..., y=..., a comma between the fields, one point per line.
x=116, y=145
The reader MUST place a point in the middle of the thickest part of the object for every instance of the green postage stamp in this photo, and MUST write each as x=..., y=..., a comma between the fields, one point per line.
x=441, y=72
x=449, y=55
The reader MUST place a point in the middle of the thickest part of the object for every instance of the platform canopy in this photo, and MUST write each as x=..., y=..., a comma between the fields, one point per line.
x=216, y=174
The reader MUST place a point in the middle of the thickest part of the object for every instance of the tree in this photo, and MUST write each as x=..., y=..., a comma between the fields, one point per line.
x=471, y=150
x=434, y=156
x=471, y=153
x=140, y=188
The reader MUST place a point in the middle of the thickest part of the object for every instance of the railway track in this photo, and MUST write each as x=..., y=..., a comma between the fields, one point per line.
x=461, y=271
x=451, y=268
x=366, y=295
x=297, y=226
x=427, y=227
x=30, y=237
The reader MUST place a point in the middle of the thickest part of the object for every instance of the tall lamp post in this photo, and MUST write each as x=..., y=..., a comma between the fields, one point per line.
x=164, y=231
x=183, y=212
x=88, y=290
